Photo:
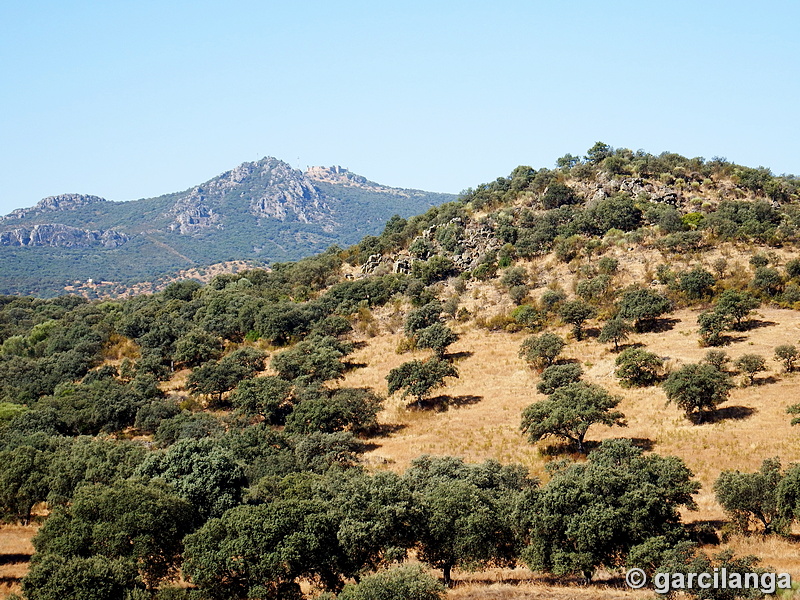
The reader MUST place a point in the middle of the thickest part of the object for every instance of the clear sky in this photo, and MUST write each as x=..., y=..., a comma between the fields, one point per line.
x=130, y=99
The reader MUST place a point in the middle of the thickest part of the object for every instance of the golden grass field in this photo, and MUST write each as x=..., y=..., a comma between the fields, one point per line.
x=477, y=417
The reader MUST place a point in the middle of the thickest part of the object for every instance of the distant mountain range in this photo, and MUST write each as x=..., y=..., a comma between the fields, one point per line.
x=262, y=211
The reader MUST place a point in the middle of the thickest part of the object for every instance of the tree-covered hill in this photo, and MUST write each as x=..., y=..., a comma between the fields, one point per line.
x=262, y=212
x=595, y=353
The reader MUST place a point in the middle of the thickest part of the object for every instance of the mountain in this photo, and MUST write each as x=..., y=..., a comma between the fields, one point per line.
x=263, y=212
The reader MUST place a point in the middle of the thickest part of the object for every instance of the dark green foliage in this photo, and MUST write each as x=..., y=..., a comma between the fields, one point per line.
x=552, y=298
x=557, y=376
x=750, y=365
x=436, y=337
x=528, y=317
x=418, y=378
x=54, y=577
x=569, y=412
x=697, y=389
x=24, y=481
x=260, y=551
x=788, y=355
x=752, y=498
x=718, y=359
x=267, y=397
x=736, y=305
x=313, y=360
x=713, y=324
x=614, y=330
x=697, y=283
x=197, y=347
x=558, y=194
x=401, y=583
x=643, y=306
x=423, y=317
x=434, y=269
x=637, y=367
x=616, y=212
x=142, y=522
x=541, y=351
x=465, y=512
x=352, y=409
x=591, y=515
x=576, y=313
x=150, y=415
x=594, y=289
x=202, y=472
x=187, y=426
x=767, y=281
x=793, y=268
x=216, y=378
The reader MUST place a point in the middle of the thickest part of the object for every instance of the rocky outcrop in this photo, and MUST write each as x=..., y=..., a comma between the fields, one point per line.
x=61, y=236
x=53, y=203
x=270, y=187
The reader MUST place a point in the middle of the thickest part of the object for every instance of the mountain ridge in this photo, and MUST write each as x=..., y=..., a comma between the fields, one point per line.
x=264, y=211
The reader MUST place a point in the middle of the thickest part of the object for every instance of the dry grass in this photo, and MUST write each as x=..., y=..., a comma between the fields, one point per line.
x=485, y=405
x=15, y=552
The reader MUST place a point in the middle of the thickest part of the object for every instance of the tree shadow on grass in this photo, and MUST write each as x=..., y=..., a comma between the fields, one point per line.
x=386, y=429
x=660, y=325
x=458, y=355
x=755, y=324
x=352, y=366
x=729, y=413
x=14, y=559
x=444, y=402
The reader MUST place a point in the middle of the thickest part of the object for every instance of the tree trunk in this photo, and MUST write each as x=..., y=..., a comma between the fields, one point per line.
x=446, y=575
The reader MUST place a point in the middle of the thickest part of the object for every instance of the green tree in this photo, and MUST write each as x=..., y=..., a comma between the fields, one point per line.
x=767, y=281
x=719, y=359
x=400, y=583
x=197, y=347
x=201, y=471
x=24, y=481
x=541, y=351
x=750, y=498
x=353, y=409
x=465, y=512
x=142, y=522
x=422, y=317
x=614, y=330
x=569, y=412
x=261, y=551
x=643, y=306
x=576, y=313
x=268, y=397
x=594, y=514
x=216, y=378
x=788, y=355
x=54, y=577
x=556, y=376
x=314, y=360
x=713, y=324
x=418, y=378
x=437, y=337
x=697, y=389
x=737, y=305
x=697, y=283
x=750, y=365
x=639, y=368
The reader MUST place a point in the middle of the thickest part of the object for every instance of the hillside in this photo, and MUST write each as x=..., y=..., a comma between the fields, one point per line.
x=494, y=389
x=262, y=212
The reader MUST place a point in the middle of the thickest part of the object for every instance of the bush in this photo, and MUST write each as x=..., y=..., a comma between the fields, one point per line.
x=557, y=376
x=697, y=389
x=788, y=355
x=750, y=364
x=409, y=582
x=638, y=368
x=541, y=351
x=717, y=358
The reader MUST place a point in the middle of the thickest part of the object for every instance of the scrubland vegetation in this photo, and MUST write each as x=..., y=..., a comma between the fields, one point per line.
x=573, y=372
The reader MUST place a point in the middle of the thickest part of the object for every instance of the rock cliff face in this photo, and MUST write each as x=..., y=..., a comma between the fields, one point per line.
x=270, y=187
x=61, y=236
x=53, y=203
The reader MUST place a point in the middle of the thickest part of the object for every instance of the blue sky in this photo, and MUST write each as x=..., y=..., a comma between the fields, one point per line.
x=129, y=99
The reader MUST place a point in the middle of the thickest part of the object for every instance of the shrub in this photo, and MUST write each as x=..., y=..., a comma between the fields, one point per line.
x=638, y=368
x=541, y=351
x=402, y=583
x=556, y=376
x=788, y=355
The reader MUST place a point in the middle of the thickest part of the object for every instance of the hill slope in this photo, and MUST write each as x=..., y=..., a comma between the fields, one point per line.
x=261, y=211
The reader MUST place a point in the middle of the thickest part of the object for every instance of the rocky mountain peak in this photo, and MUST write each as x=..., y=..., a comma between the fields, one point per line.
x=54, y=203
